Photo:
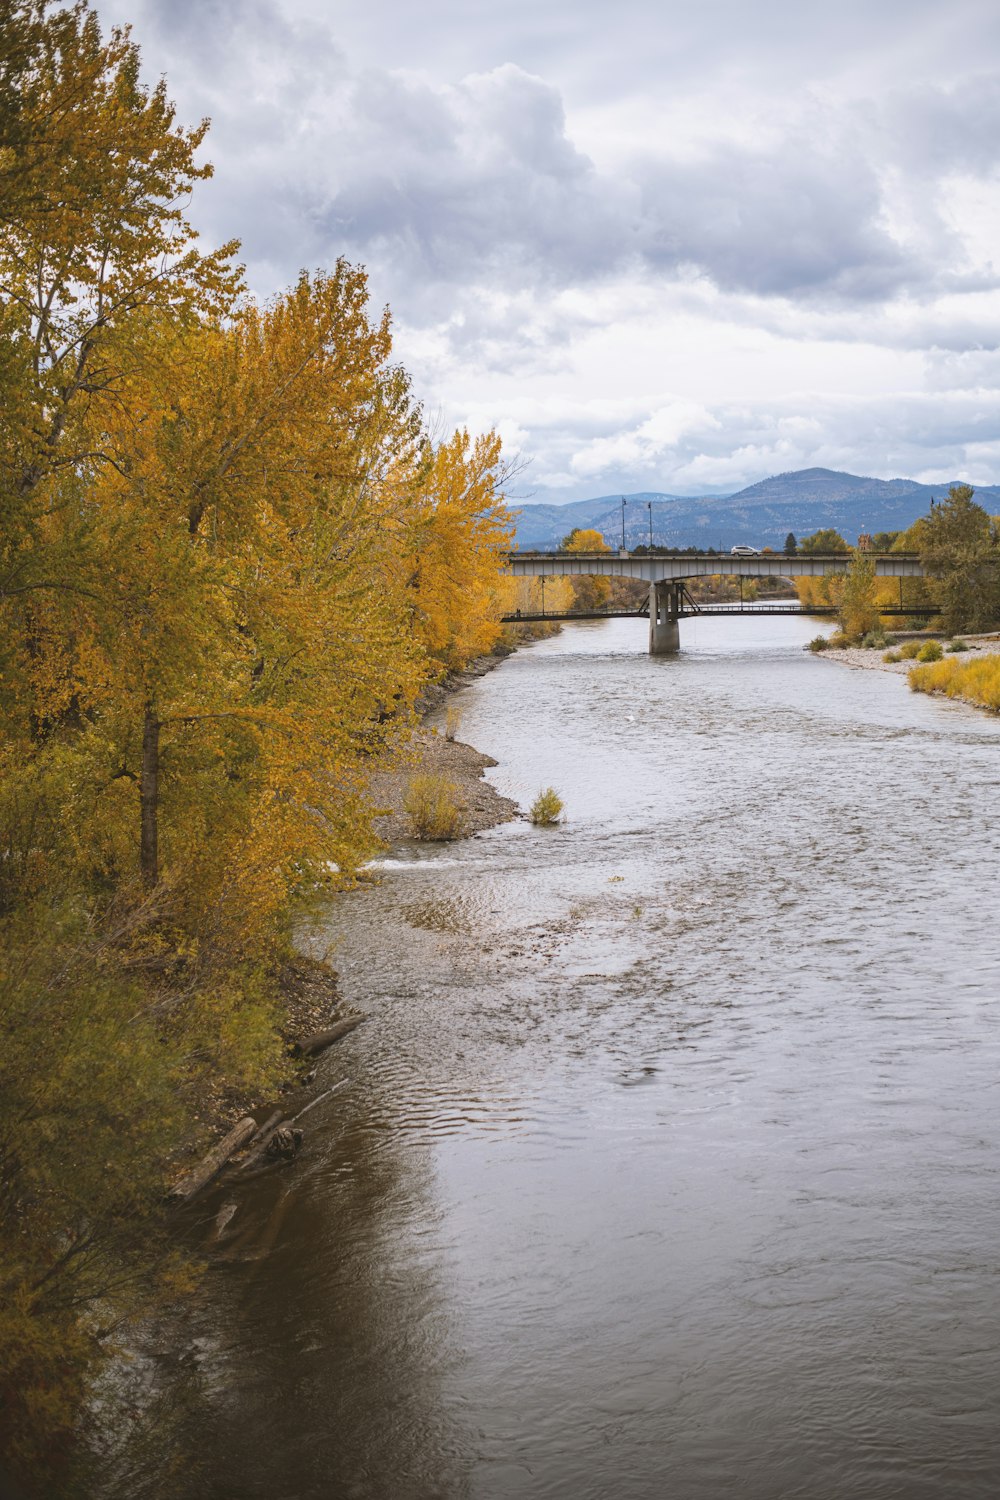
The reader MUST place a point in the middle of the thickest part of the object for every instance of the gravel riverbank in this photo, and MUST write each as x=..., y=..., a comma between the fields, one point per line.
x=854, y=656
x=430, y=753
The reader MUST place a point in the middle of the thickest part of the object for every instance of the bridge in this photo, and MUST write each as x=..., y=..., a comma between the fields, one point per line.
x=669, y=600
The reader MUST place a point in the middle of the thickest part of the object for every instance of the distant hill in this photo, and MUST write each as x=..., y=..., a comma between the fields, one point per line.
x=762, y=514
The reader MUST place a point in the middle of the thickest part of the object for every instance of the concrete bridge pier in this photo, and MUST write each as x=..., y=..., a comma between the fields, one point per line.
x=664, y=612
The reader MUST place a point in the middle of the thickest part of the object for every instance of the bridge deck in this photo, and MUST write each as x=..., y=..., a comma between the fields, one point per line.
x=657, y=569
x=523, y=617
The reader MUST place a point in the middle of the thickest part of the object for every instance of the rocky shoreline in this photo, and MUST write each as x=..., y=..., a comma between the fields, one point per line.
x=432, y=753
x=309, y=996
x=871, y=659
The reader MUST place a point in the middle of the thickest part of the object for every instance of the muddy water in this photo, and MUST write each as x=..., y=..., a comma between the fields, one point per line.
x=669, y=1164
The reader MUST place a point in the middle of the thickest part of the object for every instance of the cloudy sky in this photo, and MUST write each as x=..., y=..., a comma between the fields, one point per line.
x=670, y=246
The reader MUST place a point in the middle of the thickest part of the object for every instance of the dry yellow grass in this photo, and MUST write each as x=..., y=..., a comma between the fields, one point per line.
x=975, y=681
x=434, y=808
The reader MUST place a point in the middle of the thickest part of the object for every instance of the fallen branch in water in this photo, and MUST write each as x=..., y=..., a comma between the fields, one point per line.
x=211, y=1165
x=263, y=1143
x=318, y=1100
x=310, y=1046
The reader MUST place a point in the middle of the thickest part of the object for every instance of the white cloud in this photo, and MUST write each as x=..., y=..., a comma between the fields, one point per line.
x=676, y=250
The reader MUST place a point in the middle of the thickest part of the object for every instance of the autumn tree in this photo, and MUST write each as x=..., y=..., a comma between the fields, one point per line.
x=458, y=536
x=590, y=591
x=827, y=590
x=229, y=559
x=533, y=596
x=960, y=550
x=858, y=603
x=95, y=256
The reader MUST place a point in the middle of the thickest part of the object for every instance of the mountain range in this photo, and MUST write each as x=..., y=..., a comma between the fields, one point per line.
x=762, y=514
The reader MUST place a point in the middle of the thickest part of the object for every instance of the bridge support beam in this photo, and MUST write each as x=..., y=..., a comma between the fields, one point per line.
x=664, y=612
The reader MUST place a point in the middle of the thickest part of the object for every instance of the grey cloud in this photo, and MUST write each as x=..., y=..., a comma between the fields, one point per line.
x=799, y=220
x=502, y=192
x=945, y=129
x=454, y=185
x=435, y=147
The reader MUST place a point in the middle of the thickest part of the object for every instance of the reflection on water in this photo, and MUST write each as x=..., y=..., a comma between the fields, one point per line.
x=668, y=1163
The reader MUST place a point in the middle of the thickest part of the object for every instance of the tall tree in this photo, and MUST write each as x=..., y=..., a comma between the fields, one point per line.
x=458, y=536
x=960, y=548
x=590, y=590
x=858, y=604
x=824, y=540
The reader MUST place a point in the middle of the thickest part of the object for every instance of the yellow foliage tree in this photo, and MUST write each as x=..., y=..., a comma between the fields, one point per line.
x=460, y=533
x=590, y=591
x=229, y=560
x=859, y=606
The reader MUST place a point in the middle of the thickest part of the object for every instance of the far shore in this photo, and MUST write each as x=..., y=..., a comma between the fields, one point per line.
x=871, y=659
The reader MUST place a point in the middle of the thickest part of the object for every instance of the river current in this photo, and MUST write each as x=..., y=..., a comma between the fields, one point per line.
x=668, y=1162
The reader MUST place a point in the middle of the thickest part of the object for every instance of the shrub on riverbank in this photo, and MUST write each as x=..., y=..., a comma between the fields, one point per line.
x=957, y=646
x=930, y=651
x=433, y=806
x=546, y=808
x=976, y=681
x=892, y=656
x=909, y=649
x=819, y=643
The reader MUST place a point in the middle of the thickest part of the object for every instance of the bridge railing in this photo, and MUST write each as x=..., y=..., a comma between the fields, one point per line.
x=666, y=567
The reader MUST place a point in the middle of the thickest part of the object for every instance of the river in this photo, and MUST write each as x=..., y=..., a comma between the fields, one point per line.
x=669, y=1159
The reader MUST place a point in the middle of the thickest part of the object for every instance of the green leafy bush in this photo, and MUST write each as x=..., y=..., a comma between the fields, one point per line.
x=546, y=808
x=930, y=651
x=875, y=640
x=819, y=643
x=957, y=646
x=433, y=806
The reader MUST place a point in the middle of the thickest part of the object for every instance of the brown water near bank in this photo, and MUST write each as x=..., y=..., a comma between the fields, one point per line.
x=668, y=1161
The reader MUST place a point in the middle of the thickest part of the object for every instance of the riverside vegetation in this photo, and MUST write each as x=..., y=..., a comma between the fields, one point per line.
x=547, y=808
x=230, y=559
x=959, y=544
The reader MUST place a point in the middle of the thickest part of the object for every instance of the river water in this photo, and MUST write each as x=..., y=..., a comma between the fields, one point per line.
x=669, y=1159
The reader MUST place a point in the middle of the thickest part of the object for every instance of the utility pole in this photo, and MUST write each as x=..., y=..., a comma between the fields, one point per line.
x=649, y=507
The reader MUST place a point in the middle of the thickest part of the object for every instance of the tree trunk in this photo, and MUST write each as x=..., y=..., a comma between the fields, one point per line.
x=149, y=798
x=214, y=1162
x=311, y=1045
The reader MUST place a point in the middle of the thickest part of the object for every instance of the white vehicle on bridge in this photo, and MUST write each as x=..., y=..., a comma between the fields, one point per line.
x=743, y=550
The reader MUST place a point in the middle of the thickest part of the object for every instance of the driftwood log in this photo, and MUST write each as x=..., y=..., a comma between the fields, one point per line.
x=211, y=1165
x=276, y=1139
x=261, y=1141
x=311, y=1045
